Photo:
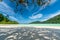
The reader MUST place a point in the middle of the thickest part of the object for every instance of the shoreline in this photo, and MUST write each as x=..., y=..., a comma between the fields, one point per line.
x=53, y=26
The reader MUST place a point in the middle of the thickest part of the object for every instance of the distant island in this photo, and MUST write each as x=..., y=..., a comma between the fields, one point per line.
x=54, y=20
x=5, y=20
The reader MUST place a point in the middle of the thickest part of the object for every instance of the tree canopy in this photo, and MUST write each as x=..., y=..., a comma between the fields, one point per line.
x=1, y=0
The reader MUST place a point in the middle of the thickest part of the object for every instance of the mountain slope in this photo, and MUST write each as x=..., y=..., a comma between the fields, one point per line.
x=5, y=20
x=54, y=20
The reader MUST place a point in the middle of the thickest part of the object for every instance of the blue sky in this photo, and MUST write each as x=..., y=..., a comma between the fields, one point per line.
x=30, y=13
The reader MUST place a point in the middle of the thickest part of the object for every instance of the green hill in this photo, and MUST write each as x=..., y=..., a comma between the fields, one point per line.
x=5, y=20
x=54, y=20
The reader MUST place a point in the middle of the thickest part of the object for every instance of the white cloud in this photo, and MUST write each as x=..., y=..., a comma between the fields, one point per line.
x=52, y=15
x=36, y=16
x=53, y=1
x=43, y=7
x=5, y=8
x=12, y=18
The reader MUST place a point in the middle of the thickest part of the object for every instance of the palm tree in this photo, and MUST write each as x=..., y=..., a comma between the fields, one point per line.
x=12, y=0
x=1, y=0
x=39, y=2
x=21, y=1
x=43, y=2
x=24, y=2
x=32, y=1
x=1, y=17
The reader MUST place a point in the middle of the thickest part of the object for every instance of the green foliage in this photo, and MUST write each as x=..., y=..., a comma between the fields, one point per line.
x=26, y=3
x=12, y=0
x=55, y=20
x=1, y=0
x=5, y=20
x=1, y=18
x=39, y=2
